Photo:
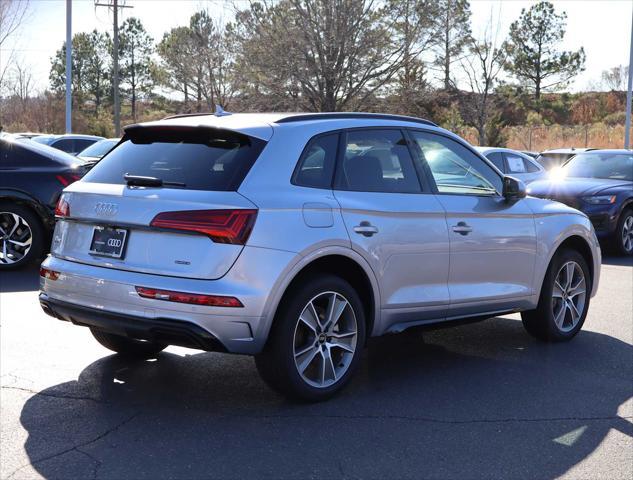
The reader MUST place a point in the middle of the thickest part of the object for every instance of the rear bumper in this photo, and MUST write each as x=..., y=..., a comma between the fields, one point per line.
x=184, y=334
x=106, y=298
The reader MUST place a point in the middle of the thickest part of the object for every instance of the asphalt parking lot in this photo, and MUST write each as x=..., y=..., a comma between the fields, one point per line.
x=477, y=401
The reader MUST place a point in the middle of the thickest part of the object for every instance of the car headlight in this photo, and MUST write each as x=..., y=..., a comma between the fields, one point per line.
x=600, y=199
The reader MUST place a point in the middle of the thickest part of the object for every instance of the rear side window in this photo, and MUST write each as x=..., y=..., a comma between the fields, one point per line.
x=65, y=145
x=531, y=168
x=14, y=155
x=197, y=159
x=316, y=165
x=81, y=144
x=377, y=161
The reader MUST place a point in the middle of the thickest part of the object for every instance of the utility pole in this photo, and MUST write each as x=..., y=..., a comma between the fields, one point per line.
x=629, y=94
x=115, y=5
x=69, y=65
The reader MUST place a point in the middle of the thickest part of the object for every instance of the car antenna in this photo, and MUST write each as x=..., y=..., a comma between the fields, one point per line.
x=219, y=111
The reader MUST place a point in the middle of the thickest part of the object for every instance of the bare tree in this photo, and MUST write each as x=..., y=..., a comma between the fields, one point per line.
x=330, y=54
x=21, y=83
x=616, y=78
x=482, y=68
x=12, y=15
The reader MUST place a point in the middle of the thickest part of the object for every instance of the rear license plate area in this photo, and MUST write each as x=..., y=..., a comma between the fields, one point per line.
x=108, y=242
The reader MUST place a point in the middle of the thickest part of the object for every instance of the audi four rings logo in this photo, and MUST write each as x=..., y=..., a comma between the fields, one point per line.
x=106, y=209
x=114, y=242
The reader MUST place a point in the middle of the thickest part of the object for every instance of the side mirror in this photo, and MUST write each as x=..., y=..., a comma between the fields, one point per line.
x=513, y=188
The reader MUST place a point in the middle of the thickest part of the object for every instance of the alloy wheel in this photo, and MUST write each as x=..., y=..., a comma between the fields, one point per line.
x=325, y=339
x=568, y=296
x=627, y=233
x=15, y=238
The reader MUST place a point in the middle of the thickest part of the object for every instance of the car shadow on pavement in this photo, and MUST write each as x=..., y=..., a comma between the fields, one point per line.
x=475, y=401
x=22, y=280
x=618, y=260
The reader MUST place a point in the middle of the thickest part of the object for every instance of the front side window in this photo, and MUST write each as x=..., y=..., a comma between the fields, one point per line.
x=497, y=159
x=377, y=160
x=316, y=165
x=455, y=168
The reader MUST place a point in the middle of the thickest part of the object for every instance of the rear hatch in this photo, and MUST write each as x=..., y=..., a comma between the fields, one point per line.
x=162, y=202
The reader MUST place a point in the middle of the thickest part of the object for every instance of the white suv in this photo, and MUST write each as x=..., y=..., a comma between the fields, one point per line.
x=295, y=237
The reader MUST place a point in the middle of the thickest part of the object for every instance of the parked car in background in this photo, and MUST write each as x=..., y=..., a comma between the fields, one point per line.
x=97, y=150
x=550, y=159
x=600, y=184
x=69, y=143
x=513, y=163
x=32, y=177
x=294, y=237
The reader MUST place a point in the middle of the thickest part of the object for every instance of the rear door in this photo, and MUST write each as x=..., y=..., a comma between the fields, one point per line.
x=193, y=226
x=492, y=241
x=395, y=223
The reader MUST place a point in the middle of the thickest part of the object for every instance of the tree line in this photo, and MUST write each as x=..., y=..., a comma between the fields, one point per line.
x=416, y=57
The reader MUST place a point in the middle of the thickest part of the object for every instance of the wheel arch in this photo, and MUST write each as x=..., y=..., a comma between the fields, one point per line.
x=28, y=201
x=339, y=261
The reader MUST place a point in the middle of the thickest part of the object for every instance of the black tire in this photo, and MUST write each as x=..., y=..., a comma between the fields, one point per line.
x=618, y=238
x=38, y=235
x=540, y=323
x=276, y=364
x=127, y=347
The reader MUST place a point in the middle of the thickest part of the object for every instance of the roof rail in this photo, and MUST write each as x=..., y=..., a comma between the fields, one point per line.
x=350, y=115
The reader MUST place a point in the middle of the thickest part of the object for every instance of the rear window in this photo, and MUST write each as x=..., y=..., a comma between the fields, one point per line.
x=199, y=159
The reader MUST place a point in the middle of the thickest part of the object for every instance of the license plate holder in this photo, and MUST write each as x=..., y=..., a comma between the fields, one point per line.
x=108, y=242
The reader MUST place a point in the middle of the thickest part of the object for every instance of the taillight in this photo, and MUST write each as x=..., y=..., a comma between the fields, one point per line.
x=67, y=178
x=62, y=209
x=221, y=226
x=48, y=274
x=194, y=298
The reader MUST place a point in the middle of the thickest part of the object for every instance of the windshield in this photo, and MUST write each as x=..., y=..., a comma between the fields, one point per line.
x=616, y=166
x=99, y=149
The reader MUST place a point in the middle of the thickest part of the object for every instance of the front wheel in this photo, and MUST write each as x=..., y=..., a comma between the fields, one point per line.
x=564, y=299
x=316, y=340
x=623, y=239
x=21, y=236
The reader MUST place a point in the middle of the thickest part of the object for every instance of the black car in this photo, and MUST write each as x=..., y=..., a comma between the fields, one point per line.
x=69, y=143
x=32, y=177
x=600, y=184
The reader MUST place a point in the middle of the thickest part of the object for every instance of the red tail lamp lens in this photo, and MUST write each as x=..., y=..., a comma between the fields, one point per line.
x=222, y=226
x=48, y=274
x=67, y=178
x=62, y=209
x=193, y=298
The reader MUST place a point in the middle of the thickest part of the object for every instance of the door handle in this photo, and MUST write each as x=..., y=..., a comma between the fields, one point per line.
x=462, y=228
x=366, y=229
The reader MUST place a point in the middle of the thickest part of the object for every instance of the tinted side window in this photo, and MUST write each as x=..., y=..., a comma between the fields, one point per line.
x=82, y=145
x=65, y=144
x=455, y=168
x=377, y=161
x=316, y=165
x=497, y=159
x=12, y=155
x=530, y=166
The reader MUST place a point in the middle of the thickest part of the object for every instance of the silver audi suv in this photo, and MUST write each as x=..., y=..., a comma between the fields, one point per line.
x=295, y=237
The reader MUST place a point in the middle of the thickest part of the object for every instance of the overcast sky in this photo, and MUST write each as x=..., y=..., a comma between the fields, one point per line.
x=602, y=27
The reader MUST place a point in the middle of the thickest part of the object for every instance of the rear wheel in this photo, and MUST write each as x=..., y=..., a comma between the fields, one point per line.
x=623, y=240
x=564, y=299
x=128, y=347
x=21, y=236
x=316, y=340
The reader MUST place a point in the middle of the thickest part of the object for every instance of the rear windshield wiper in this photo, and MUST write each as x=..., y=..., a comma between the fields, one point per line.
x=141, y=181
